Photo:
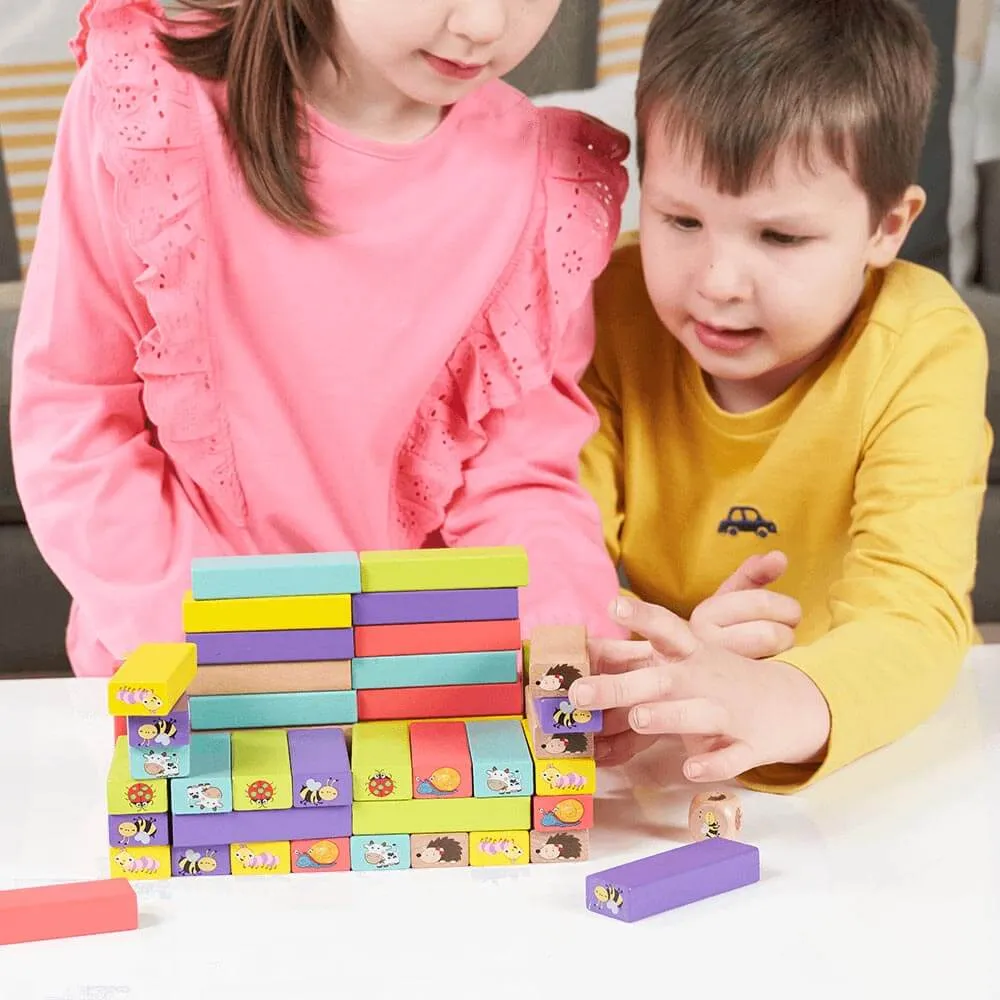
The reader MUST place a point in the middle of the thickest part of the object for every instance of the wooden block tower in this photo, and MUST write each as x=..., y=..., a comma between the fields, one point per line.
x=348, y=711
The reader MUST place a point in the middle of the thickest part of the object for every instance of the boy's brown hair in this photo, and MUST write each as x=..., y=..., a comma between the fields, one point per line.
x=263, y=50
x=735, y=80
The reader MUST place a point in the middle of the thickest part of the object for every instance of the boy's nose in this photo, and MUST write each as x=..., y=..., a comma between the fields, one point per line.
x=721, y=279
x=481, y=21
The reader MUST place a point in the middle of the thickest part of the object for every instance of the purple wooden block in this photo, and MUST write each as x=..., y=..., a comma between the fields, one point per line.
x=248, y=827
x=557, y=715
x=674, y=878
x=278, y=646
x=134, y=830
x=417, y=607
x=200, y=861
x=173, y=730
x=321, y=769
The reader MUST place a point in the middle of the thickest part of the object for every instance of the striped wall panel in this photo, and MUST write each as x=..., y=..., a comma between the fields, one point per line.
x=620, y=33
x=31, y=98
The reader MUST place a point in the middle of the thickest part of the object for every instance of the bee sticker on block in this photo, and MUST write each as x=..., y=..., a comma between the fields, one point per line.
x=201, y=861
x=318, y=793
x=608, y=898
x=163, y=732
x=142, y=830
x=557, y=715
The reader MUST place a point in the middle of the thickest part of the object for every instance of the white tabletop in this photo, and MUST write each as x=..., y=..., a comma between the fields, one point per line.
x=881, y=882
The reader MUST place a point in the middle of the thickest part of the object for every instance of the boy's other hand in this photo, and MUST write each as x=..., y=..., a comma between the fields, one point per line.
x=746, y=618
x=733, y=713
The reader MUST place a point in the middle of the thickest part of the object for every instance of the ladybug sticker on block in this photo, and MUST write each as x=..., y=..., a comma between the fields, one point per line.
x=381, y=785
x=261, y=793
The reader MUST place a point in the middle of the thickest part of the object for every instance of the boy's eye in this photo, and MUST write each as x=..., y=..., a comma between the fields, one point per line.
x=784, y=239
x=682, y=222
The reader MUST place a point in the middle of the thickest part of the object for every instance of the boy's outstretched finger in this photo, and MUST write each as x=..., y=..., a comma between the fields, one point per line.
x=668, y=634
x=623, y=690
x=612, y=656
x=685, y=717
x=757, y=571
x=757, y=640
x=721, y=765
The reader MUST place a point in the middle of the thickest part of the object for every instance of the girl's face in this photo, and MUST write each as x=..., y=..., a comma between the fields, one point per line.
x=433, y=52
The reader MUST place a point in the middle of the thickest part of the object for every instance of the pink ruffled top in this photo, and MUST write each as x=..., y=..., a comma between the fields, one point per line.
x=192, y=379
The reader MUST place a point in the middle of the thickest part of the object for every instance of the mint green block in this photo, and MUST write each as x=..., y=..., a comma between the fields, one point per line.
x=433, y=669
x=293, y=575
x=502, y=765
x=209, y=786
x=260, y=711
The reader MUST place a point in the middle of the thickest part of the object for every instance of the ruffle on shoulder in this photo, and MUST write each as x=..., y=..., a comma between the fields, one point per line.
x=512, y=348
x=147, y=126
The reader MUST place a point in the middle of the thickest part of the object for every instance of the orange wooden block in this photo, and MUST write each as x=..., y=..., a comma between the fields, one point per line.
x=437, y=637
x=460, y=700
x=73, y=909
x=442, y=764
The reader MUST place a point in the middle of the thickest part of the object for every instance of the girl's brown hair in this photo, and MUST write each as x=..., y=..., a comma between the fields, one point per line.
x=735, y=80
x=263, y=50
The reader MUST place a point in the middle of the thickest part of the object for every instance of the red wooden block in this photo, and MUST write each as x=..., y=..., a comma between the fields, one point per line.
x=457, y=701
x=121, y=726
x=436, y=637
x=442, y=764
x=73, y=909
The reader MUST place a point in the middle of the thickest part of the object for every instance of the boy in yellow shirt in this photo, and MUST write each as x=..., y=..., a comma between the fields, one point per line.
x=769, y=375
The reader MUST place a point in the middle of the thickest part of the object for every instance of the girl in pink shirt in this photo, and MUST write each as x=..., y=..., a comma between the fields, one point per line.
x=309, y=276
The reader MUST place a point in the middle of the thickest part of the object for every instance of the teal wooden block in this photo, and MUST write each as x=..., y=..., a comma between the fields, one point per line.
x=501, y=761
x=159, y=762
x=433, y=670
x=293, y=575
x=377, y=854
x=260, y=711
x=209, y=787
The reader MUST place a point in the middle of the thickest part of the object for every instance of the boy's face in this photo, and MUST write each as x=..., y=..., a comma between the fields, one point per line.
x=757, y=287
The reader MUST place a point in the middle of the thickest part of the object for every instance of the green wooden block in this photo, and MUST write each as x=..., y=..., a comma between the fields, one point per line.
x=262, y=770
x=260, y=711
x=444, y=569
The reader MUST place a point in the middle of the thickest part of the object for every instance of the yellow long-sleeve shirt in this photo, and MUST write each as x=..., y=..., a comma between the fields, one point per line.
x=869, y=473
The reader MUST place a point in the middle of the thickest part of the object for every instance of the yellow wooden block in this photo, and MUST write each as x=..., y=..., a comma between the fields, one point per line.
x=444, y=569
x=437, y=815
x=499, y=847
x=140, y=863
x=558, y=777
x=381, y=766
x=261, y=614
x=262, y=770
x=271, y=858
x=152, y=679
x=133, y=795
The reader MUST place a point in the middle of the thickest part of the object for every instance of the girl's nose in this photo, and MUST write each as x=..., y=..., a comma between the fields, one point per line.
x=480, y=21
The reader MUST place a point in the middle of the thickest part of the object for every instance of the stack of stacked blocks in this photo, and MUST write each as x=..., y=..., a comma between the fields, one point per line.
x=341, y=711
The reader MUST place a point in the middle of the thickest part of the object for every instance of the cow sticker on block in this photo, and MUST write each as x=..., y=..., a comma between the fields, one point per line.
x=376, y=854
x=501, y=762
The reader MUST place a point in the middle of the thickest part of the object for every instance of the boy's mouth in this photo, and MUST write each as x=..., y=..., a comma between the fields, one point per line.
x=730, y=340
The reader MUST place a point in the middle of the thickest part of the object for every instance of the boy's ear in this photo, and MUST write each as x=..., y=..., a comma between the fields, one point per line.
x=895, y=227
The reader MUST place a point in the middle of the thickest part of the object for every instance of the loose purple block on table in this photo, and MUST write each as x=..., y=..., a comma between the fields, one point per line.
x=674, y=878
x=321, y=769
x=213, y=860
x=277, y=646
x=170, y=730
x=557, y=715
x=133, y=830
x=419, y=607
x=250, y=827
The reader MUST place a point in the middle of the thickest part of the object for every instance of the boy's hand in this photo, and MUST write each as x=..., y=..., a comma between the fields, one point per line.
x=733, y=712
x=744, y=617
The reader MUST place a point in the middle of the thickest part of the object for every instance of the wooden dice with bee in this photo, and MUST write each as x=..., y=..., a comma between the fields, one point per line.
x=715, y=814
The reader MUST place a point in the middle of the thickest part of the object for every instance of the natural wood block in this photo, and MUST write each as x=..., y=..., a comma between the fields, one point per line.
x=439, y=850
x=715, y=814
x=557, y=656
x=272, y=678
x=565, y=845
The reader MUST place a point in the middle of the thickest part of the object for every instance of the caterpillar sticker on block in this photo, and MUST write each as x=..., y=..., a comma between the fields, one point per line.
x=272, y=858
x=560, y=777
x=140, y=863
x=500, y=847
